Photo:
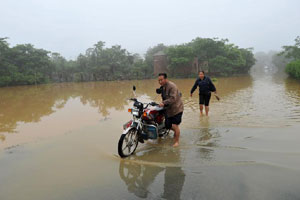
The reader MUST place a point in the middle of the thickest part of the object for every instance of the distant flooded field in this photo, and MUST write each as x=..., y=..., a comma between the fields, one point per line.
x=59, y=141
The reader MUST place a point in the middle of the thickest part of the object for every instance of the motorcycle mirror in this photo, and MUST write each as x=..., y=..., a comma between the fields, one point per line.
x=134, y=88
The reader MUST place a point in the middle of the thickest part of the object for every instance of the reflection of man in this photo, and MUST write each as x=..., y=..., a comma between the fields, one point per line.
x=174, y=106
x=174, y=180
x=139, y=177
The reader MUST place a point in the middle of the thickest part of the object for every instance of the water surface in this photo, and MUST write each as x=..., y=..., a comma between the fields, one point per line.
x=59, y=141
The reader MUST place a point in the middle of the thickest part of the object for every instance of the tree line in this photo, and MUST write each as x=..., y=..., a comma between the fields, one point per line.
x=24, y=64
x=292, y=54
x=219, y=56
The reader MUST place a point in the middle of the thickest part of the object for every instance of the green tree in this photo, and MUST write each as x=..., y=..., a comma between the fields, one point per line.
x=206, y=49
x=293, y=53
x=24, y=64
x=293, y=69
x=7, y=70
x=60, y=68
x=249, y=59
x=179, y=57
x=34, y=65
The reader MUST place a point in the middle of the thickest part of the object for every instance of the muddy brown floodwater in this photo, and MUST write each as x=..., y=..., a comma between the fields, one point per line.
x=59, y=141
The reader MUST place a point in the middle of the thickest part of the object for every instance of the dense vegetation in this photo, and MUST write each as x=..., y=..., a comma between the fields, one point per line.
x=219, y=57
x=293, y=53
x=24, y=65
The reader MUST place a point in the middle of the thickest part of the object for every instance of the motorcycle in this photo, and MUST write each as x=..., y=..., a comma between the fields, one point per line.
x=148, y=123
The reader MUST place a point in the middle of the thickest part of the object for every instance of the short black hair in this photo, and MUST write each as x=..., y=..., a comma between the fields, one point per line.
x=163, y=74
x=201, y=71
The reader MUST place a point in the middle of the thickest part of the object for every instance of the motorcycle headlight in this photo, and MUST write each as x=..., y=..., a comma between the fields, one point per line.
x=135, y=112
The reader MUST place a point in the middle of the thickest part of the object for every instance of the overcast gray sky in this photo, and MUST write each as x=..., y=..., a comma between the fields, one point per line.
x=71, y=26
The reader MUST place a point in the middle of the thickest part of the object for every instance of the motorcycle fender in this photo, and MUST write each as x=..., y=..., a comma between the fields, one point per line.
x=134, y=125
x=128, y=129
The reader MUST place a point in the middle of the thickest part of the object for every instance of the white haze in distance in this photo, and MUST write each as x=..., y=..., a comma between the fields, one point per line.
x=71, y=26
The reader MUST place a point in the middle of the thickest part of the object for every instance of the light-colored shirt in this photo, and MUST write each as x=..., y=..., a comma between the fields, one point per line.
x=172, y=99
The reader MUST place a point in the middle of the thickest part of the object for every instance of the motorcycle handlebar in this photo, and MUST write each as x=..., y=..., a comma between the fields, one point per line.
x=133, y=99
x=153, y=104
x=147, y=104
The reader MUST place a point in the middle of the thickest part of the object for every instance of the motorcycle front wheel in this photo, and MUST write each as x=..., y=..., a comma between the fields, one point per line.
x=128, y=143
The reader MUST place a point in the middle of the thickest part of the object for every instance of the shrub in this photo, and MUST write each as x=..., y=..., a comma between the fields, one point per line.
x=293, y=69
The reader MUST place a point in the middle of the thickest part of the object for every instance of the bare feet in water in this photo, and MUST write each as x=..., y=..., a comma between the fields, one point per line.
x=176, y=144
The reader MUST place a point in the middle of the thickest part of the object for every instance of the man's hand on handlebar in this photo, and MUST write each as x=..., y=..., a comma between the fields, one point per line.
x=153, y=104
x=161, y=105
x=133, y=99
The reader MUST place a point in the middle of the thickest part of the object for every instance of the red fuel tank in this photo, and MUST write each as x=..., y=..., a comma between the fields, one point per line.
x=153, y=115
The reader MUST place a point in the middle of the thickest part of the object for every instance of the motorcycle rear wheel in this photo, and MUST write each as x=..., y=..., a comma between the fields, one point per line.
x=128, y=143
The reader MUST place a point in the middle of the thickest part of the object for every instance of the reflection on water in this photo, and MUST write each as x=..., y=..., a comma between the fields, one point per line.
x=206, y=143
x=261, y=101
x=292, y=92
x=232, y=154
x=2, y=137
x=234, y=93
x=156, y=170
x=41, y=109
x=140, y=177
x=31, y=103
x=27, y=104
x=246, y=101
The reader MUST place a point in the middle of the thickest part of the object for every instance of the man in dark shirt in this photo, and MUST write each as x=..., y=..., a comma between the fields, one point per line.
x=174, y=107
x=205, y=88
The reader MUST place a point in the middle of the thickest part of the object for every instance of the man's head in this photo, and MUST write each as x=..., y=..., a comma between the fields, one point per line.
x=162, y=78
x=201, y=74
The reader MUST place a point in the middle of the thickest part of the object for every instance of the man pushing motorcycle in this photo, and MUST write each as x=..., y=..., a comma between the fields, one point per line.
x=171, y=100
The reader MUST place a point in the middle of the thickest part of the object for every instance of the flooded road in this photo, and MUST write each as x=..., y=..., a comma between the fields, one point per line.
x=59, y=141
